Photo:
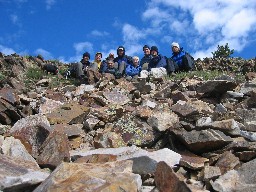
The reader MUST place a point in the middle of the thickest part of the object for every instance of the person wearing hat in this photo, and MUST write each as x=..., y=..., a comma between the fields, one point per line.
x=180, y=60
x=122, y=60
x=104, y=63
x=146, y=58
x=157, y=59
x=79, y=69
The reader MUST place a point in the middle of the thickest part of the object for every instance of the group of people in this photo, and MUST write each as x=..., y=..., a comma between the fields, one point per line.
x=132, y=67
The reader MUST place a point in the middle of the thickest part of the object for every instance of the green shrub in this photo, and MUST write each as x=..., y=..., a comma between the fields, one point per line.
x=222, y=51
x=34, y=73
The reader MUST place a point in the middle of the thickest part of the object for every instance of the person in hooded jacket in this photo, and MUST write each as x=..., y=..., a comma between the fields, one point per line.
x=180, y=60
x=122, y=60
x=157, y=59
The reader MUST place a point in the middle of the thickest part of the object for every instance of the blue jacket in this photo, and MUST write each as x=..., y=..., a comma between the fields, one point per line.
x=157, y=62
x=131, y=70
x=177, y=57
x=125, y=58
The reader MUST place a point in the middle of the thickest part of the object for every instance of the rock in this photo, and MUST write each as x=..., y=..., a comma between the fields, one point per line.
x=229, y=127
x=116, y=97
x=167, y=180
x=211, y=173
x=113, y=176
x=192, y=161
x=216, y=88
x=54, y=150
x=144, y=162
x=70, y=113
x=203, y=141
x=14, y=148
x=227, y=161
x=32, y=132
x=163, y=120
x=133, y=131
x=242, y=179
x=48, y=106
x=74, y=132
x=19, y=175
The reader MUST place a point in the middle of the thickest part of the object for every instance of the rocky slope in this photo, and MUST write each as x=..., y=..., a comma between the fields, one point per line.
x=157, y=135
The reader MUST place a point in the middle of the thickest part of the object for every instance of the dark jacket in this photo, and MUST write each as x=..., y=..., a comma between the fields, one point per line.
x=157, y=62
x=145, y=59
x=85, y=63
x=113, y=71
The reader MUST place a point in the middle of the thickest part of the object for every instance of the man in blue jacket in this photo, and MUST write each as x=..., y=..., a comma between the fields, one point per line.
x=132, y=71
x=122, y=60
x=181, y=60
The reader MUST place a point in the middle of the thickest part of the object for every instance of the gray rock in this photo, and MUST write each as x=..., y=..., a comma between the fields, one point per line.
x=144, y=161
x=19, y=175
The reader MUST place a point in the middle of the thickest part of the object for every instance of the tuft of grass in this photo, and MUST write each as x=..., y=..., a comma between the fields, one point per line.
x=34, y=73
x=2, y=76
x=207, y=75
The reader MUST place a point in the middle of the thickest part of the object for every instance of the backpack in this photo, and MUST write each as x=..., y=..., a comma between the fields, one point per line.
x=190, y=61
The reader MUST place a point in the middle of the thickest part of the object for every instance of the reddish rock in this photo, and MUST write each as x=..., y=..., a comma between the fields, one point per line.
x=54, y=150
x=227, y=161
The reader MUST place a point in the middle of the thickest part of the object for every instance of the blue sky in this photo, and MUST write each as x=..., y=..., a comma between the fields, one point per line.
x=65, y=29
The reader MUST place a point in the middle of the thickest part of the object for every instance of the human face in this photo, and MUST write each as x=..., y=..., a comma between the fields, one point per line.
x=120, y=52
x=111, y=64
x=85, y=58
x=146, y=51
x=135, y=62
x=153, y=53
x=175, y=49
x=98, y=57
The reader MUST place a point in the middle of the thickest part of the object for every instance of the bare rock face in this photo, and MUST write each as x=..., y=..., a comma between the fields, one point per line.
x=203, y=141
x=32, y=132
x=113, y=176
x=54, y=150
x=144, y=162
x=70, y=113
x=19, y=175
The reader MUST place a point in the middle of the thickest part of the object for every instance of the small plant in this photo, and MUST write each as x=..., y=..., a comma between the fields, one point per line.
x=2, y=76
x=34, y=73
x=222, y=51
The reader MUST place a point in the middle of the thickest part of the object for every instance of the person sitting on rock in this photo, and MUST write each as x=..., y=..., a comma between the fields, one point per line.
x=104, y=63
x=157, y=59
x=132, y=72
x=157, y=65
x=146, y=58
x=93, y=73
x=180, y=60
x=122, y=60
x=111, y=69
x=79, y=69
